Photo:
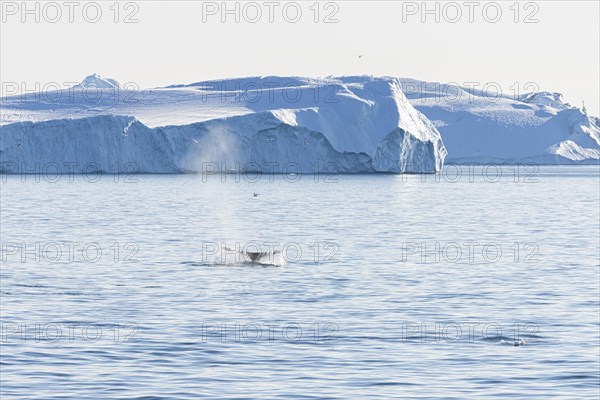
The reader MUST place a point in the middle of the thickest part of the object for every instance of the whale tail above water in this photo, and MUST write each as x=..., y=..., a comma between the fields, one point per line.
x=263, y=258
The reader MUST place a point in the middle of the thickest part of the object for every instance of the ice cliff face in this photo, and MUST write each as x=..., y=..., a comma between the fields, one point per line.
x=270, y=124
x=477, y=127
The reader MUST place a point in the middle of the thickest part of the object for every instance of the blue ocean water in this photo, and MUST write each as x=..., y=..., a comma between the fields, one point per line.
x=482, y=282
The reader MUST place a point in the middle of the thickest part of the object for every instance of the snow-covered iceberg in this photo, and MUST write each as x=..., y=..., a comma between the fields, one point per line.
x=267, y=124
x=290, y=124
x=482, y=127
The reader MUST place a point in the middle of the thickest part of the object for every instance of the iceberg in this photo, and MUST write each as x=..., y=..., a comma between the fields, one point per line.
x=265, y=124
x=96, y=81
x=478, y=127
x=350, y=124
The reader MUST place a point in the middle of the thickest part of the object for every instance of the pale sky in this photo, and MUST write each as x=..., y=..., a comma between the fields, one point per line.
x=187, y=41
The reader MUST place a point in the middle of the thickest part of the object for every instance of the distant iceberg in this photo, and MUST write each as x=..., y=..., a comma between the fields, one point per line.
x=96, y=81
x=354, y=124
x=534, y=128
x=268, y=124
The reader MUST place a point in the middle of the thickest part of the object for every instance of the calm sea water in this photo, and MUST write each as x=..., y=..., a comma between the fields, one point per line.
x=470, y=285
